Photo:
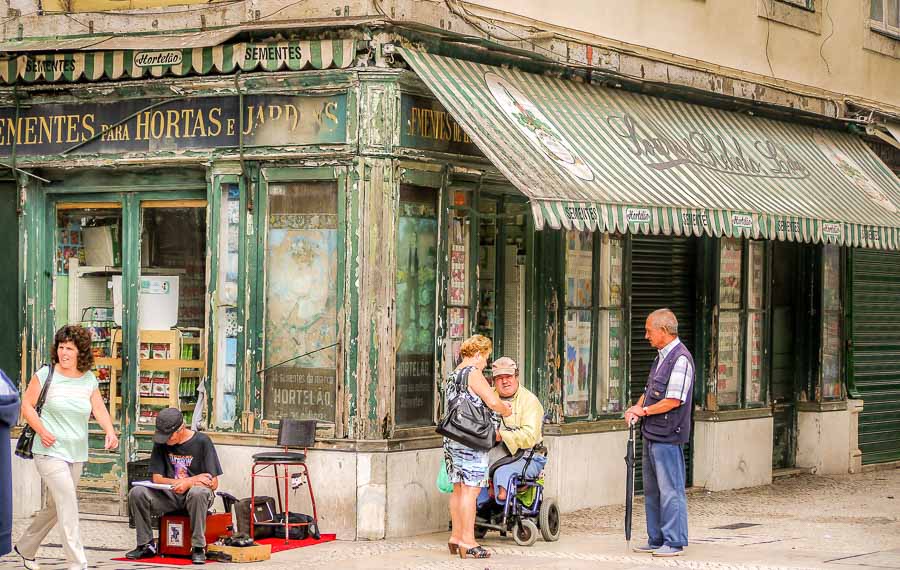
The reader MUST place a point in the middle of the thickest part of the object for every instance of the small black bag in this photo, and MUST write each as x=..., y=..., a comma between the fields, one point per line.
x=296, y=532
x=263, y=511
x=26, y=438
x=467, y=423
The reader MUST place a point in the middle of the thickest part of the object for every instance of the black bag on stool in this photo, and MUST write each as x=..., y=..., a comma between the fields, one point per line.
x=264, y=511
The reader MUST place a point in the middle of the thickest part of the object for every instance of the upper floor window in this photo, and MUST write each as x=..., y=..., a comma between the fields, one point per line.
x=805, y=4
x=884, y=17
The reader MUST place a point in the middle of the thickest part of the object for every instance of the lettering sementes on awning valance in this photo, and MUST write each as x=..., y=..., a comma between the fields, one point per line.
x=135, y=64
x=594, y=158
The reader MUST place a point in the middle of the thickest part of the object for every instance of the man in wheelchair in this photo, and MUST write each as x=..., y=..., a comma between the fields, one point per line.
x=517, y=437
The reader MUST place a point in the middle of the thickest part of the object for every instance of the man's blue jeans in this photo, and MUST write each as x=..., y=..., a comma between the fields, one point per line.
x=664, y=498
x=502, y=475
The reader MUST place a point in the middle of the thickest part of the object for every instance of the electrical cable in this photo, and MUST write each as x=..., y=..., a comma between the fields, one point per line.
x=830, y=33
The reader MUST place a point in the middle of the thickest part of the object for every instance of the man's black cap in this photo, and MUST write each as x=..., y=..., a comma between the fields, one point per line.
x=167, y=422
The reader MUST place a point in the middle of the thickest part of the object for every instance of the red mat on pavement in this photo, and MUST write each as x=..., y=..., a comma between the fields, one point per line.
x=278, y=545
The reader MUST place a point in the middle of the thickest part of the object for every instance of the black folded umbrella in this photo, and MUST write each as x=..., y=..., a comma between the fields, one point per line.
x=629, y=483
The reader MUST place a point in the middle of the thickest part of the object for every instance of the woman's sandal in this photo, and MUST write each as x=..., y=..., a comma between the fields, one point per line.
x=474, y=552
x=454, y=548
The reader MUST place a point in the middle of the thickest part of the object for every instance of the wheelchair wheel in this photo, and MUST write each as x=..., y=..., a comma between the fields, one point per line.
x=548, y=519
x=480, y=532
x=526, y=533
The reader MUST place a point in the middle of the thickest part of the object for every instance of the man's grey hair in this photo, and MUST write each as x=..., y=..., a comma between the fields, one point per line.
x=664, y=319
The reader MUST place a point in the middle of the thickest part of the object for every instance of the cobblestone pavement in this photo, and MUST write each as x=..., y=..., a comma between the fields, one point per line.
x=845, y=522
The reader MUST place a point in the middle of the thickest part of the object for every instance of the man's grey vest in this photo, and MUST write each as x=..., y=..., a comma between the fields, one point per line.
x=675, y=425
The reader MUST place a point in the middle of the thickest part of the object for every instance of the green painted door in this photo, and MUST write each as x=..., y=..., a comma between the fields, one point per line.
x=9, y=281
x=663, y=274
x=874, y=351
x=87, y=263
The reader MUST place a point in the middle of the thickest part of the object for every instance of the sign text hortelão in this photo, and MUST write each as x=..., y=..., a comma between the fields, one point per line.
x=299, y=393
x=178, y=124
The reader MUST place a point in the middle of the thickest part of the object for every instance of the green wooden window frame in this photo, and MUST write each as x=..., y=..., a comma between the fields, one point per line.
x=346, y=356
x=743, y=312
x=600, y=311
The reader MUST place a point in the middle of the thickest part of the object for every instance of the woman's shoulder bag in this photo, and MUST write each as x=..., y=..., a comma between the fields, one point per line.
x=466, y=423
x=26, y=438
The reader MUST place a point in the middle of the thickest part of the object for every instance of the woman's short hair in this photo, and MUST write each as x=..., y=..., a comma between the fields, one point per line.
x=474, y=345
x=81, y=338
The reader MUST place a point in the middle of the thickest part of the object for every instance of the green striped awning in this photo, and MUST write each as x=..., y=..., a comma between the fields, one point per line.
x=593, y=158
x=135, y=64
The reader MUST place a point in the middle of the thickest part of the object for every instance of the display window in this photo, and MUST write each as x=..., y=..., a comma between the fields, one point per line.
x=741, y=338
x=301, y=301
x=416, y=294
x=595, y=336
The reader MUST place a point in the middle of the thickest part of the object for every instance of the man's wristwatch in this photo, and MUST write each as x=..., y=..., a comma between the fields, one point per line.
x=646, y=413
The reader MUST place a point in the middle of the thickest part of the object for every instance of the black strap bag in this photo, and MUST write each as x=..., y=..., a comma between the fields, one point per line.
x=26, y=438
x=466, y=423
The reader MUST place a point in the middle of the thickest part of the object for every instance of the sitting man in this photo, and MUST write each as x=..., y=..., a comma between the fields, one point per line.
x=187, y=460
x=518, y=433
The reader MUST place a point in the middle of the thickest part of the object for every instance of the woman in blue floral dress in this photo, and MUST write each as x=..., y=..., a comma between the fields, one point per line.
x=467, y=467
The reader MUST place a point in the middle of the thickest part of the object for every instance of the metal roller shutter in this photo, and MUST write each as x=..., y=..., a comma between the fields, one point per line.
x=663, y=274
x=874, y=354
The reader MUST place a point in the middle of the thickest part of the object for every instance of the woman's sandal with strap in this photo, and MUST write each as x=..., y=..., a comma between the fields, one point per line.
x=474, y=552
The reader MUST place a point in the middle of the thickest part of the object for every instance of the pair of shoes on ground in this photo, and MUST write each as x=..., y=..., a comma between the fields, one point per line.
x=198, y=555
x=663, y=550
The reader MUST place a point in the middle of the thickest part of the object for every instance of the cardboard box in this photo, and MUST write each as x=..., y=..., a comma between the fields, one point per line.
x=256, y=553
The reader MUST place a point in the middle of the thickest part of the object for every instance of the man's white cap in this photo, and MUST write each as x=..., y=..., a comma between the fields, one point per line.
x=504, y=366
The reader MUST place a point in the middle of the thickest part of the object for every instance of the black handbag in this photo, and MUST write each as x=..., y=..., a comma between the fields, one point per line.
x=26, y=438
x=466, y=423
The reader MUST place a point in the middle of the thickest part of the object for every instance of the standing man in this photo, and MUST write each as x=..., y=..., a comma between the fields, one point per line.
x=187, y=460
x=665, y=409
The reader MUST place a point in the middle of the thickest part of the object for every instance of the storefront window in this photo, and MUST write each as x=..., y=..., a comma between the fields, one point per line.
x=579, y=286
x=301, y=279
x=171, y=309
x=611, y=338
x=88, y=255
x=226, y=317
x=416, y=301
x=831, y=322
x=458, y=287
x=742, y=323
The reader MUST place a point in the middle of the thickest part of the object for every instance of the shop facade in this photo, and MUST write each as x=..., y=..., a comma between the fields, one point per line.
x=310, y=229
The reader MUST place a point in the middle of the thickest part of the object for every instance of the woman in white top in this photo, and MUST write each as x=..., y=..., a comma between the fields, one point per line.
x=61, y=442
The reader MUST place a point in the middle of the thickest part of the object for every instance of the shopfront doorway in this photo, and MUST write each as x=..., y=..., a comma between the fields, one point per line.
x=663, y=274
x=131, y=268
x=785, y=292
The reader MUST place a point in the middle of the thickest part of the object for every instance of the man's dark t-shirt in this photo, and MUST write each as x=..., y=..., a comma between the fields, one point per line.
x=193, y=457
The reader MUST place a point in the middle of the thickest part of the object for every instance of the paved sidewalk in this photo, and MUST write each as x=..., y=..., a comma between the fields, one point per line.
x=843, y=523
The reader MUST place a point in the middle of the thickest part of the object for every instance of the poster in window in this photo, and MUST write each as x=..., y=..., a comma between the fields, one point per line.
x=729, y=358
x=831, y=355
x=757, y=275
x=579, y=268
x=831, y=280
x=616, y=362
x=616, y=254
x=458, y=275
x=730, y=274
x=578, y=360
x=456, y=318
x=301, y=300
x=754, y=357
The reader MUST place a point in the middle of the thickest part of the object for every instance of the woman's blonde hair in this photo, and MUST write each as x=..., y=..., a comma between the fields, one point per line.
x=474, y=345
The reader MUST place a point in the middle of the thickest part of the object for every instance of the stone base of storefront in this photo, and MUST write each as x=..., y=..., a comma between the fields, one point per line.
x=732, y=449
x=585, y=467
x=827, y=437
